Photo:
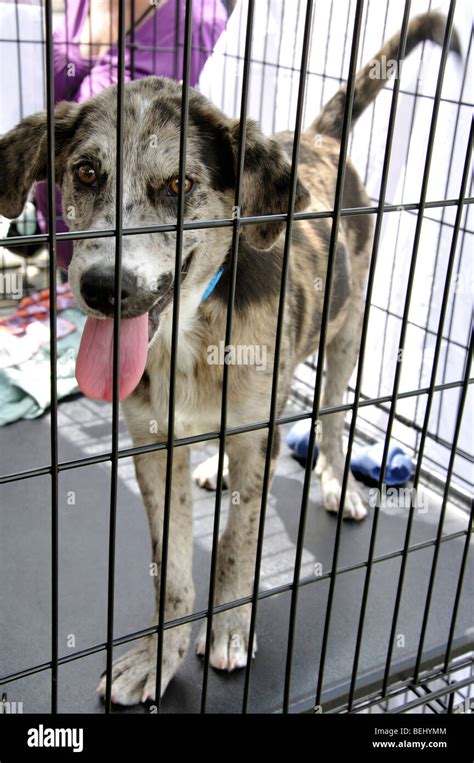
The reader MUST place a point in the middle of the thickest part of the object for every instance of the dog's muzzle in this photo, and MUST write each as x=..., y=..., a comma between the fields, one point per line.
x=98, y=292
x=97, y=288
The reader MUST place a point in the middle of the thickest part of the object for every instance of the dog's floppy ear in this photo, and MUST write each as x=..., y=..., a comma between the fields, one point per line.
x=24, y=155
x=266, y=185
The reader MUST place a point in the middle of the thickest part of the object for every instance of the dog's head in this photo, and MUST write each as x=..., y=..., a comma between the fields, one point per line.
x=85, y=155
x=85, y=144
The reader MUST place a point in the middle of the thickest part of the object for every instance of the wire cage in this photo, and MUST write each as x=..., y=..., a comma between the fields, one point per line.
x=278, y=63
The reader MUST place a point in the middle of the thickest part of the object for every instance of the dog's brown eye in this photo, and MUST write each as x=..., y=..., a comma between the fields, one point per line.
x=173, y=186
x=86, y=174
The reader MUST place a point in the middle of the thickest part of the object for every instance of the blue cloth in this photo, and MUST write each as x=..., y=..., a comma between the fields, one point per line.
x=298, y=440
x=365, y=464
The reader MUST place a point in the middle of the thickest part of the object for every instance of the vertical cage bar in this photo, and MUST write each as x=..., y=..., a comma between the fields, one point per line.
x=53, y=348
x=176, y=39
x=132, y=41
x=326, y=56
x=457, y=598
x=429, y=404
x=374, y=106
x=264, y=64
x=154, y=41
x=174, y=341
x=66, y=25
x=341, y=172
x=200, y=46
x=416, y=96
x=277, y=65
x=116, y=351
x=18, y=53
x=403, y=332
x=91, y=62
x=293, y=64
x=442, y=222
x=228, y=339
x=439, y=534
x=278, y=338
x=363, y=342
x=111, y=38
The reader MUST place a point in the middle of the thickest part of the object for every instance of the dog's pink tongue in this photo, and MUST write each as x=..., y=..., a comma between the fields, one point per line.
x=95, y=359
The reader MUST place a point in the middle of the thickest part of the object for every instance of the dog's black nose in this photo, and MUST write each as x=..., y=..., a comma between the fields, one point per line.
x=98, y=289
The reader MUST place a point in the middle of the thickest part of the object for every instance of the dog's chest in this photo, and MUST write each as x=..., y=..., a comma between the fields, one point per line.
x=198, y=386
x=197, y=393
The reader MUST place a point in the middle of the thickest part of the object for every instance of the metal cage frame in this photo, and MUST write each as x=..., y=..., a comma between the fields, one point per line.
x=359, y=699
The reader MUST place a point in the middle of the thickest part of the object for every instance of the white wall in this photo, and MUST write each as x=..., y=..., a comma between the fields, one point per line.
x=272, y=101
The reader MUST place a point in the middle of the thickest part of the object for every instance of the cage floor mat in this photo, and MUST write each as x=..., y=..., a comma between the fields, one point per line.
x=84, y=496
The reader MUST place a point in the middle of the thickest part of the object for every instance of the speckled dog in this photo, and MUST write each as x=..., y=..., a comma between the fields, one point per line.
x=86, y=167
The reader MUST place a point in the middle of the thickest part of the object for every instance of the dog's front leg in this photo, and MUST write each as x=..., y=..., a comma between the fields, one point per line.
x=237, y=550
x=134, y=674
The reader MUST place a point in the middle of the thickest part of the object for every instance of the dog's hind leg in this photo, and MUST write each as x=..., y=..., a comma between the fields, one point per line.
x=134, y=674
x=237, y=550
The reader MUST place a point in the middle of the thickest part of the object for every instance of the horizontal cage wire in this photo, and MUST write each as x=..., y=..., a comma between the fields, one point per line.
x=357, y=617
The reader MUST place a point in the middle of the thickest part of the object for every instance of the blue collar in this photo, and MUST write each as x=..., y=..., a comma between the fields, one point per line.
x=212, y=285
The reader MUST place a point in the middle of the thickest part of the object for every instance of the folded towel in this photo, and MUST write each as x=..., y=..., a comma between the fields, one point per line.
x=365, y=464
x=25, y=388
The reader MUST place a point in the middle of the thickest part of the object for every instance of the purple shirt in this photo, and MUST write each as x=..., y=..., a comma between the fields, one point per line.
x=77, y=78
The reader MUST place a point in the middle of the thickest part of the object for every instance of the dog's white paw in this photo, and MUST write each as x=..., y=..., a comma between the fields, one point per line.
x=354, y=506
x=134, y=677
x=205, y=474
x=229, y=644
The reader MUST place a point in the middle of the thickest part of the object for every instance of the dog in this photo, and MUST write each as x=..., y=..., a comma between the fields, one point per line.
x=85, y=150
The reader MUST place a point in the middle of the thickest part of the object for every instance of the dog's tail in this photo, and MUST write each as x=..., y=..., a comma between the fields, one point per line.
x=372, y=78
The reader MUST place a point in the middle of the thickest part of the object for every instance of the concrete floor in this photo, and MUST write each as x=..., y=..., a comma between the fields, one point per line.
x=84, y=429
